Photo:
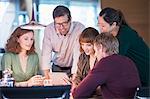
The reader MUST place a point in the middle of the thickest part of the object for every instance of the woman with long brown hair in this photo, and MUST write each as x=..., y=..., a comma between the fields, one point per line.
x=87, y=58
x=21, y=58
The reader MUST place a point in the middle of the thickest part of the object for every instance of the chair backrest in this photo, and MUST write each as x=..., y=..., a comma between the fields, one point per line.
x=142, y=93
x=2, y=51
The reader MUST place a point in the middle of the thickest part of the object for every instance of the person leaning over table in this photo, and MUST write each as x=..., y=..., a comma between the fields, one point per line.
x=131, y=44
x=21, y=58
x=117, y=75
x=61, y=38
x=87, y=58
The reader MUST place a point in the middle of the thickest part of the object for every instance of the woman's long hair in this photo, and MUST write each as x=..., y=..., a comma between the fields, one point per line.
x=12, y=44
x=111, y=15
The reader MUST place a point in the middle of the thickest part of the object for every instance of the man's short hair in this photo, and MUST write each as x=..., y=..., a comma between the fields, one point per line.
x=61, y=11
x=109, y=43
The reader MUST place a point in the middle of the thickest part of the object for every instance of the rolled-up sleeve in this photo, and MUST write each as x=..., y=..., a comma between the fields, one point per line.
x=46, y=50
x=76, y=51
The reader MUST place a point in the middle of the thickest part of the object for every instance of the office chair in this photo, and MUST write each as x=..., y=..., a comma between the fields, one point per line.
x=142, y=93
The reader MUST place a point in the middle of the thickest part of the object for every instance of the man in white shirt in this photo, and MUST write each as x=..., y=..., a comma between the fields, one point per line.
x=61, y=37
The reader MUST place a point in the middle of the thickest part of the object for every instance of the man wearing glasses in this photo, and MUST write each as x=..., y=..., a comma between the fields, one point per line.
x=61, y=37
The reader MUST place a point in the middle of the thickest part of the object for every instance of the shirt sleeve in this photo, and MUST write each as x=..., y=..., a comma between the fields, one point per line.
x=89, y=84
x=46, y=50
x=6, y=61
x=76, y=51
x=76, y=54
x=37, y=69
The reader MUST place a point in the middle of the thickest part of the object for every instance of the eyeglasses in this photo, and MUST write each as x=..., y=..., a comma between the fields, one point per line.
x=62, y=24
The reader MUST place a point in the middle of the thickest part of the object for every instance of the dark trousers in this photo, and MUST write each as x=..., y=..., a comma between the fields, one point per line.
x=57, y=68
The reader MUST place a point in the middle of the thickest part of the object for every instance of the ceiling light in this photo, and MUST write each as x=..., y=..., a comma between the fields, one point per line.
x=33, y=24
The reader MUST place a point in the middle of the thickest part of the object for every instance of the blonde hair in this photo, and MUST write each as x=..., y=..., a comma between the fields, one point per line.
x=109, y=43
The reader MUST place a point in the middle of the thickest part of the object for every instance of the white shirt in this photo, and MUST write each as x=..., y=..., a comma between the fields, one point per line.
x=65, y=48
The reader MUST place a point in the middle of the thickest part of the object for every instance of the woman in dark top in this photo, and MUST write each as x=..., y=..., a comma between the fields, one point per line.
x=117, y=75
x=87, y=58
x=131, y=44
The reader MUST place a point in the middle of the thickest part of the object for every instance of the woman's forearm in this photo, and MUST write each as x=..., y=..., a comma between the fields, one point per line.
x=21, y=84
